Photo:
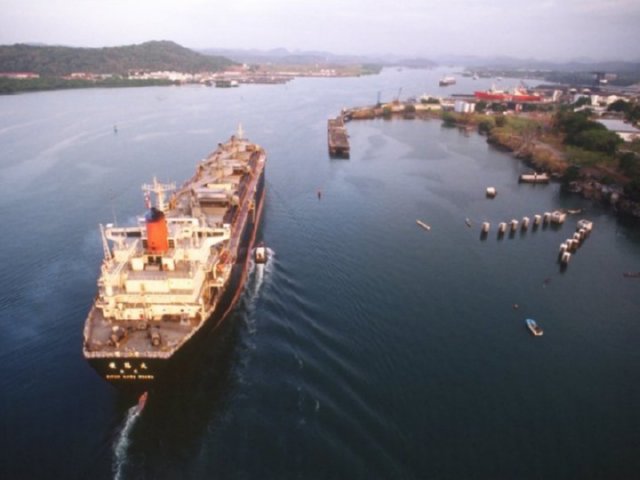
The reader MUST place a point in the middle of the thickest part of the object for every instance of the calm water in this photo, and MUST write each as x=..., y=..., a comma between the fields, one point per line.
x=367, y=347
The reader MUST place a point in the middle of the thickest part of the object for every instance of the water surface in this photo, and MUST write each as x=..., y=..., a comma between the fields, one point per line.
x=367, y=348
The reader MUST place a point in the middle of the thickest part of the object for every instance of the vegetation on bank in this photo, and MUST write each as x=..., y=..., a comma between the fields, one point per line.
x=565, y=143
x=11, y=85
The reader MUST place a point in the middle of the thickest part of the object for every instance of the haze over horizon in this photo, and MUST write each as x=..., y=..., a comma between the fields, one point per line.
x=557, y=30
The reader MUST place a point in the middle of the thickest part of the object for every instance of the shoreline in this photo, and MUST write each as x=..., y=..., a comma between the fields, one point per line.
x=528, y=146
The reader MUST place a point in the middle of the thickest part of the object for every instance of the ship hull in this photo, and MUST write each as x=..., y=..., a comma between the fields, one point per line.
x=142, y=370
x=505, y=97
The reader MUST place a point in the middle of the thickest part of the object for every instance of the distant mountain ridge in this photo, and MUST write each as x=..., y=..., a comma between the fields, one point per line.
x=154, y=55
x=575, y=65
x=283, y=56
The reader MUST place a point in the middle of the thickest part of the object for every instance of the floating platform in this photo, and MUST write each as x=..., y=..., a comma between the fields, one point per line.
x=558, y=217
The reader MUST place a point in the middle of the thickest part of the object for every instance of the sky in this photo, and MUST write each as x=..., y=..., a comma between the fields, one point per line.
x=540, y=29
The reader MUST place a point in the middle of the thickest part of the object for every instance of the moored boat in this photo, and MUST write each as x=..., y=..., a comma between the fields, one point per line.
x=180, y=269
x=534, y=327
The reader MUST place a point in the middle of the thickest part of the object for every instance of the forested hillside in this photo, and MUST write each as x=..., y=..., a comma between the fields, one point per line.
x=58, y=61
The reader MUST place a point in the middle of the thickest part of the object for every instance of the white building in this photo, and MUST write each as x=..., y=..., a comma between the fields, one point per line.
x=460, y=106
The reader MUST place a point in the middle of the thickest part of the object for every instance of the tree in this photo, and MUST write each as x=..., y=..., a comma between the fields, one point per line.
x=618, y=106
x=629, y=164
x=582, y=101
x=596, y=139
x=449, y=119
x=485, y=126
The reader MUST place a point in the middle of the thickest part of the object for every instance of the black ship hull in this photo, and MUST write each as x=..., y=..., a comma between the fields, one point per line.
x=141, y=370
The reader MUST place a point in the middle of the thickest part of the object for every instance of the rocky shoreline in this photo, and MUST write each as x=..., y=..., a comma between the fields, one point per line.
x=546, y=158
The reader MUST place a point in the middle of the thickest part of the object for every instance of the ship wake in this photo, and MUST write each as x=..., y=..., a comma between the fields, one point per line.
x=122, y=441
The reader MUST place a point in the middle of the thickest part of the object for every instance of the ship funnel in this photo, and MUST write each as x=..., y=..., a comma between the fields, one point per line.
x=157, y=231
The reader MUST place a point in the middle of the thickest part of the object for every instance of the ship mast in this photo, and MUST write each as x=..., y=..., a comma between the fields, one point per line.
x=105, y=246
x=159, y=189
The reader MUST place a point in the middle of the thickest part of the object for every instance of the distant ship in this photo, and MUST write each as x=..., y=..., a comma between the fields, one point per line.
x=448, y=80
x=180, y=268
x=518, y=94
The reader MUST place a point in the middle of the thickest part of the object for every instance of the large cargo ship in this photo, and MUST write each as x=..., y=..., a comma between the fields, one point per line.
x=181, y=269
x=447, y=80
x=518, y=94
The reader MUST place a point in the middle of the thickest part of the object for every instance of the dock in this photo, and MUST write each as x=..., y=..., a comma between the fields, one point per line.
x=337, y=138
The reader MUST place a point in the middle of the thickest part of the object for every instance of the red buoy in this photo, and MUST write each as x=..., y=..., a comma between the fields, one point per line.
x=157, y=231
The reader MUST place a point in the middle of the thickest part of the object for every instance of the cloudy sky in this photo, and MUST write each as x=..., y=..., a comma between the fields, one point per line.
x=542, y=29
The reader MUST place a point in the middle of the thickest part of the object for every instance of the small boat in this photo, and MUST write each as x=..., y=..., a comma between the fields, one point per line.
x=631, y=274
x=142, y=401
x=260, y=254
x=533, y=326
x=423, y=225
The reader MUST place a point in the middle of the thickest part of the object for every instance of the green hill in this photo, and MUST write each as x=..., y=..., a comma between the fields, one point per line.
x=58, y=61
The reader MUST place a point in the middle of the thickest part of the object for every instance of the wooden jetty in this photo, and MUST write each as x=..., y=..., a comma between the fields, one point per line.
x=338, y=138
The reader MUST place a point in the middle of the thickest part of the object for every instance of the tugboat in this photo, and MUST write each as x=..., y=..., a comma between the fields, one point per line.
x=260, y=254
x=534, y=327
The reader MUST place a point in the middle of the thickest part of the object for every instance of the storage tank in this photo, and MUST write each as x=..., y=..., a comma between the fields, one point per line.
x=157, y=232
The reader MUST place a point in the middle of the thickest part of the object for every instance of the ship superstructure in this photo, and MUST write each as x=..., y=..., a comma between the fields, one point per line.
x=181, y=267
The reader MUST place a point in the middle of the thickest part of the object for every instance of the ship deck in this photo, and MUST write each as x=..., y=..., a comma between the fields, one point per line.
x=137, y=339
